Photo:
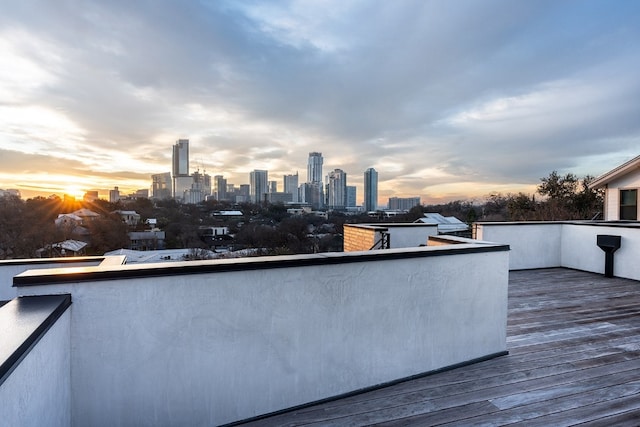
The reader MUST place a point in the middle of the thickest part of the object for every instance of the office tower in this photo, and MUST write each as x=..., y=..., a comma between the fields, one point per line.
x=258, y=180
x=312, y=193
x=161, y=186
x=181, y=158
x=370, y=190
x=180, y=169
x=273, y=187
x=337, y=189
x=291, y=186
x=351, y=196
x=403, y=203
x=314, y=167
x=220, y=187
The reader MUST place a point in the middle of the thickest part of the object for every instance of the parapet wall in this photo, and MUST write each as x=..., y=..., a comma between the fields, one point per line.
x=212, y=342
x=570, y=244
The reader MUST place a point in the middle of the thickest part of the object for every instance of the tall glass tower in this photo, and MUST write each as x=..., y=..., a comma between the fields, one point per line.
x=370, y=190
x=258, y=185
x=314, y=167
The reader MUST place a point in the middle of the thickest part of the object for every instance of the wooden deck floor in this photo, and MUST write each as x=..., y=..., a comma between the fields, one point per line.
x=574, y=359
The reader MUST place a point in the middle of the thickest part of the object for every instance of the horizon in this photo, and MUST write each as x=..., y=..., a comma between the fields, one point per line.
x=446, y=100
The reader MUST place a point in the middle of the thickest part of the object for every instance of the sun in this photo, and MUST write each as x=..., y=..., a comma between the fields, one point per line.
x=74, y=191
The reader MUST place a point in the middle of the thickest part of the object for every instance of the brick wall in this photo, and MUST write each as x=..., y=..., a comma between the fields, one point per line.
x=359, y=238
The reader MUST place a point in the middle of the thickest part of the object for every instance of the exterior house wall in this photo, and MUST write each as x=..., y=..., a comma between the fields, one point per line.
x=207, y=349
x=612, y=200
x=38, y=391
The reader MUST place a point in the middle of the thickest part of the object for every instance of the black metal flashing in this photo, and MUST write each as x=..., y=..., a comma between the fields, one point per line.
x=65, y=260
x=367, y=389
x=588, y=223
x=23, y=322
x=85, y=274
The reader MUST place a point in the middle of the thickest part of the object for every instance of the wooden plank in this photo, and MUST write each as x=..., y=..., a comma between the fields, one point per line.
x=574, y=342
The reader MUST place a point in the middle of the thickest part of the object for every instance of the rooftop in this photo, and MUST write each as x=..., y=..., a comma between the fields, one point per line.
x=574, y=357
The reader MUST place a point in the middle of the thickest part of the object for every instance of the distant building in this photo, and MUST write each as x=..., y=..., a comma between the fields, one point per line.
x=314, y=167
x=114, y=195
x=312, y=193
x=141, y=193
x=147, y=240
x=273, y=187
x=131, y=218
x=371, y=190
x=161, y=186
x=181, y=179
x=337, y=189
x=90, y=196
x=220, y=187
x=403, y=203
x=291, y=186
x=258, y=180
x=351, y=196
x=280, y=197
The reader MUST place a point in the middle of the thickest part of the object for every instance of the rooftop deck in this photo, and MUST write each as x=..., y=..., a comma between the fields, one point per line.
x=574, y=358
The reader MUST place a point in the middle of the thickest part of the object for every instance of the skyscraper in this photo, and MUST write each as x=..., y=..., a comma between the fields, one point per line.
x=161, y=186
x=314, y=167
x=337, y=189
x=220, y=187
x=181, y=158
x=370, y=190
x=180, y=169
x=291, y=186
x=351, y=196
x=258, y=182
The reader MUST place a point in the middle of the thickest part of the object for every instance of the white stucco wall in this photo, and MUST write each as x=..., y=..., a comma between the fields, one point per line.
x=580, y=251
x=571, y=245
x=10, y=269
x=38, y=391
x=411, y=236
x=533, y=245
x=212, y=348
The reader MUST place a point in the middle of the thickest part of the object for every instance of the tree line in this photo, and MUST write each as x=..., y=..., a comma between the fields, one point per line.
x=28, y=226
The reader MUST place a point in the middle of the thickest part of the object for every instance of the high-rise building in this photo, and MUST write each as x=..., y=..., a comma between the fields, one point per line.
x=314, y=167
x=273, y=187
x=220, y=187
x=291, y=186
x=370, y=190
x=337, y=189
x=180, y=169
x=161, y=186
x=351, y=196
x=403, y=203
x=180, y=158
x=258, y=185
x=312, y=193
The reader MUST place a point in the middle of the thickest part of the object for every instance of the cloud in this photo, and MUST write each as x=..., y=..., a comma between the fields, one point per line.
x=440, y=97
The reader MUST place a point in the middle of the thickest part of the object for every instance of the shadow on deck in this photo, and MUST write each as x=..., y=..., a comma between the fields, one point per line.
x=574, y=358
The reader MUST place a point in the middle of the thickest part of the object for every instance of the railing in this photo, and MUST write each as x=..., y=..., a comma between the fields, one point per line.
x=384, y=242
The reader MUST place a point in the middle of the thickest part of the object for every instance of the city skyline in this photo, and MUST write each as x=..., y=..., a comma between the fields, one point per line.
x=446, y=100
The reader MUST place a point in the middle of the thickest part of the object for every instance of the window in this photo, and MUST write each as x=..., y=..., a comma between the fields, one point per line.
x=629, y=204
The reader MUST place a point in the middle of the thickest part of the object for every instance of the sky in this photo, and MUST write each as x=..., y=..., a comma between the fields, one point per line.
x=446, y=99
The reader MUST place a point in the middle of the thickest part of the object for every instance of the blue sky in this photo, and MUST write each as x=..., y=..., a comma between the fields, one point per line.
x=446, y=99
